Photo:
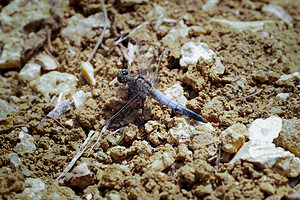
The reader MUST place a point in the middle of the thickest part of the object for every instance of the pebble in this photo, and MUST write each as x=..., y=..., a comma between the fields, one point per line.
x=233, y=138
x=5, y=109
x=282, y=96
x=262, y=151
x=87, y=71
x=13, y=23
x=46, y=61
x=265, y=130
x=26, y=144
x=163, y=159
x=30, y=71
x=210, y=4
x=80, y=97
x=54, y=83
x=267, y=188
x=176, y=93
x=14, y=160
x=80, y=177
x=35, y=189
x=288, y=79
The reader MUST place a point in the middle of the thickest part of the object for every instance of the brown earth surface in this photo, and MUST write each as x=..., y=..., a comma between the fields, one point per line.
x=251, y=59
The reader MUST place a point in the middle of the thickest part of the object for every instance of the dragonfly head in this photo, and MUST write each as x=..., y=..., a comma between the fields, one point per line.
x=122, y=76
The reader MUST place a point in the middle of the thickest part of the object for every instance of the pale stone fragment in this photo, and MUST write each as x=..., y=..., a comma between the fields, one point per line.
x=87, y=71
x=113, y=197
x=254, y=26
x=5, y=109
x=210, y=4
x=54, y=83
x=288, y=78
x=233, y=138
x=35, y=188
x=262, y=151
x=81, y=176
x=176, y=93
x=14, y=160
x=278, y=12
x=162, y=160
x=80, y=97
x=47, y=62
x=79, y=26
x=26, y=144
x=282, y=96
x=268, y=155
x=13, y=23
x=265, y=130
x=30, y=71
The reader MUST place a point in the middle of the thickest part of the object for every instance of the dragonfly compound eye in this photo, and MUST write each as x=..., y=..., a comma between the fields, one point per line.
x=122, y=76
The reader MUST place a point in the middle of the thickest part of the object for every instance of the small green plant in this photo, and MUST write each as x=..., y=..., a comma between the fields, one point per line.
x=113, y=141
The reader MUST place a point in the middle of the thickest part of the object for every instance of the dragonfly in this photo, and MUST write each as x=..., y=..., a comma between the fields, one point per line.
x=141, y=87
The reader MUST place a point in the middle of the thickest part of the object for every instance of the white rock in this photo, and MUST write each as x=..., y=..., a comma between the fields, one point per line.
x=35, y=188
x=26, y=144
x=253, y=26
x=10, y=56
x=80, y=97
x=261, y=150
x=165, y=161
x=279, y=12
x=191, y=52
x=176, y=93
x=87, y=71
x=233, y=138
x=60, y=108
x=287, y=78
x=113, y=197
x=268, y=155
x=79, y=26
x=30, y=71
x=179, y=31
x=265, y=130
x=210, y=4
x=46, y=61
x=54, y=83
x=13, y=20
x=14, y=160
x=282, y=96
x=5, y=109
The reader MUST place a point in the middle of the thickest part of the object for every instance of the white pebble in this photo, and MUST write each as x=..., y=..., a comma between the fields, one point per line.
x=30, y=71
x=47, y=62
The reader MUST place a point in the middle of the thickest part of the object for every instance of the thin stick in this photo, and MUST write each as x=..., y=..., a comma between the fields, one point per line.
x=50, y=54
x=49, y=40
x=55, y=120
x=102, y=34
x=251, y=95
x=121, y=39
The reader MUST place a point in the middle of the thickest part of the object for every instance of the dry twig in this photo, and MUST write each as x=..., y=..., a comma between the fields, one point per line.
x=251, y=95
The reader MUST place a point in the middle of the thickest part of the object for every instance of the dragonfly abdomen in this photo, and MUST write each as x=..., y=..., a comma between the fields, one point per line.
x=162, y=98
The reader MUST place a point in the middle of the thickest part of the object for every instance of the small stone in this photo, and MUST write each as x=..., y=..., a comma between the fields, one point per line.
x=218, y=68
x=265, y=130
x=176, y=93
x=260, y=76
x=191, y=52
x=5, y=109
x=282, y=96
x=180, y=131
x=80, y=177
x=14, y=160
x=87, y=71
x=80, y=97
x=30, y=71
x=289, y=79
x=118, y=152
x=267, y=188
x=162, y=160
x=113, y=196
x=233, y=138
x=35, y=188
x=202, y=191
x=47, y=62
x=69, y=123
x=26, y=144
x=54, y=83
x=210, y=4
